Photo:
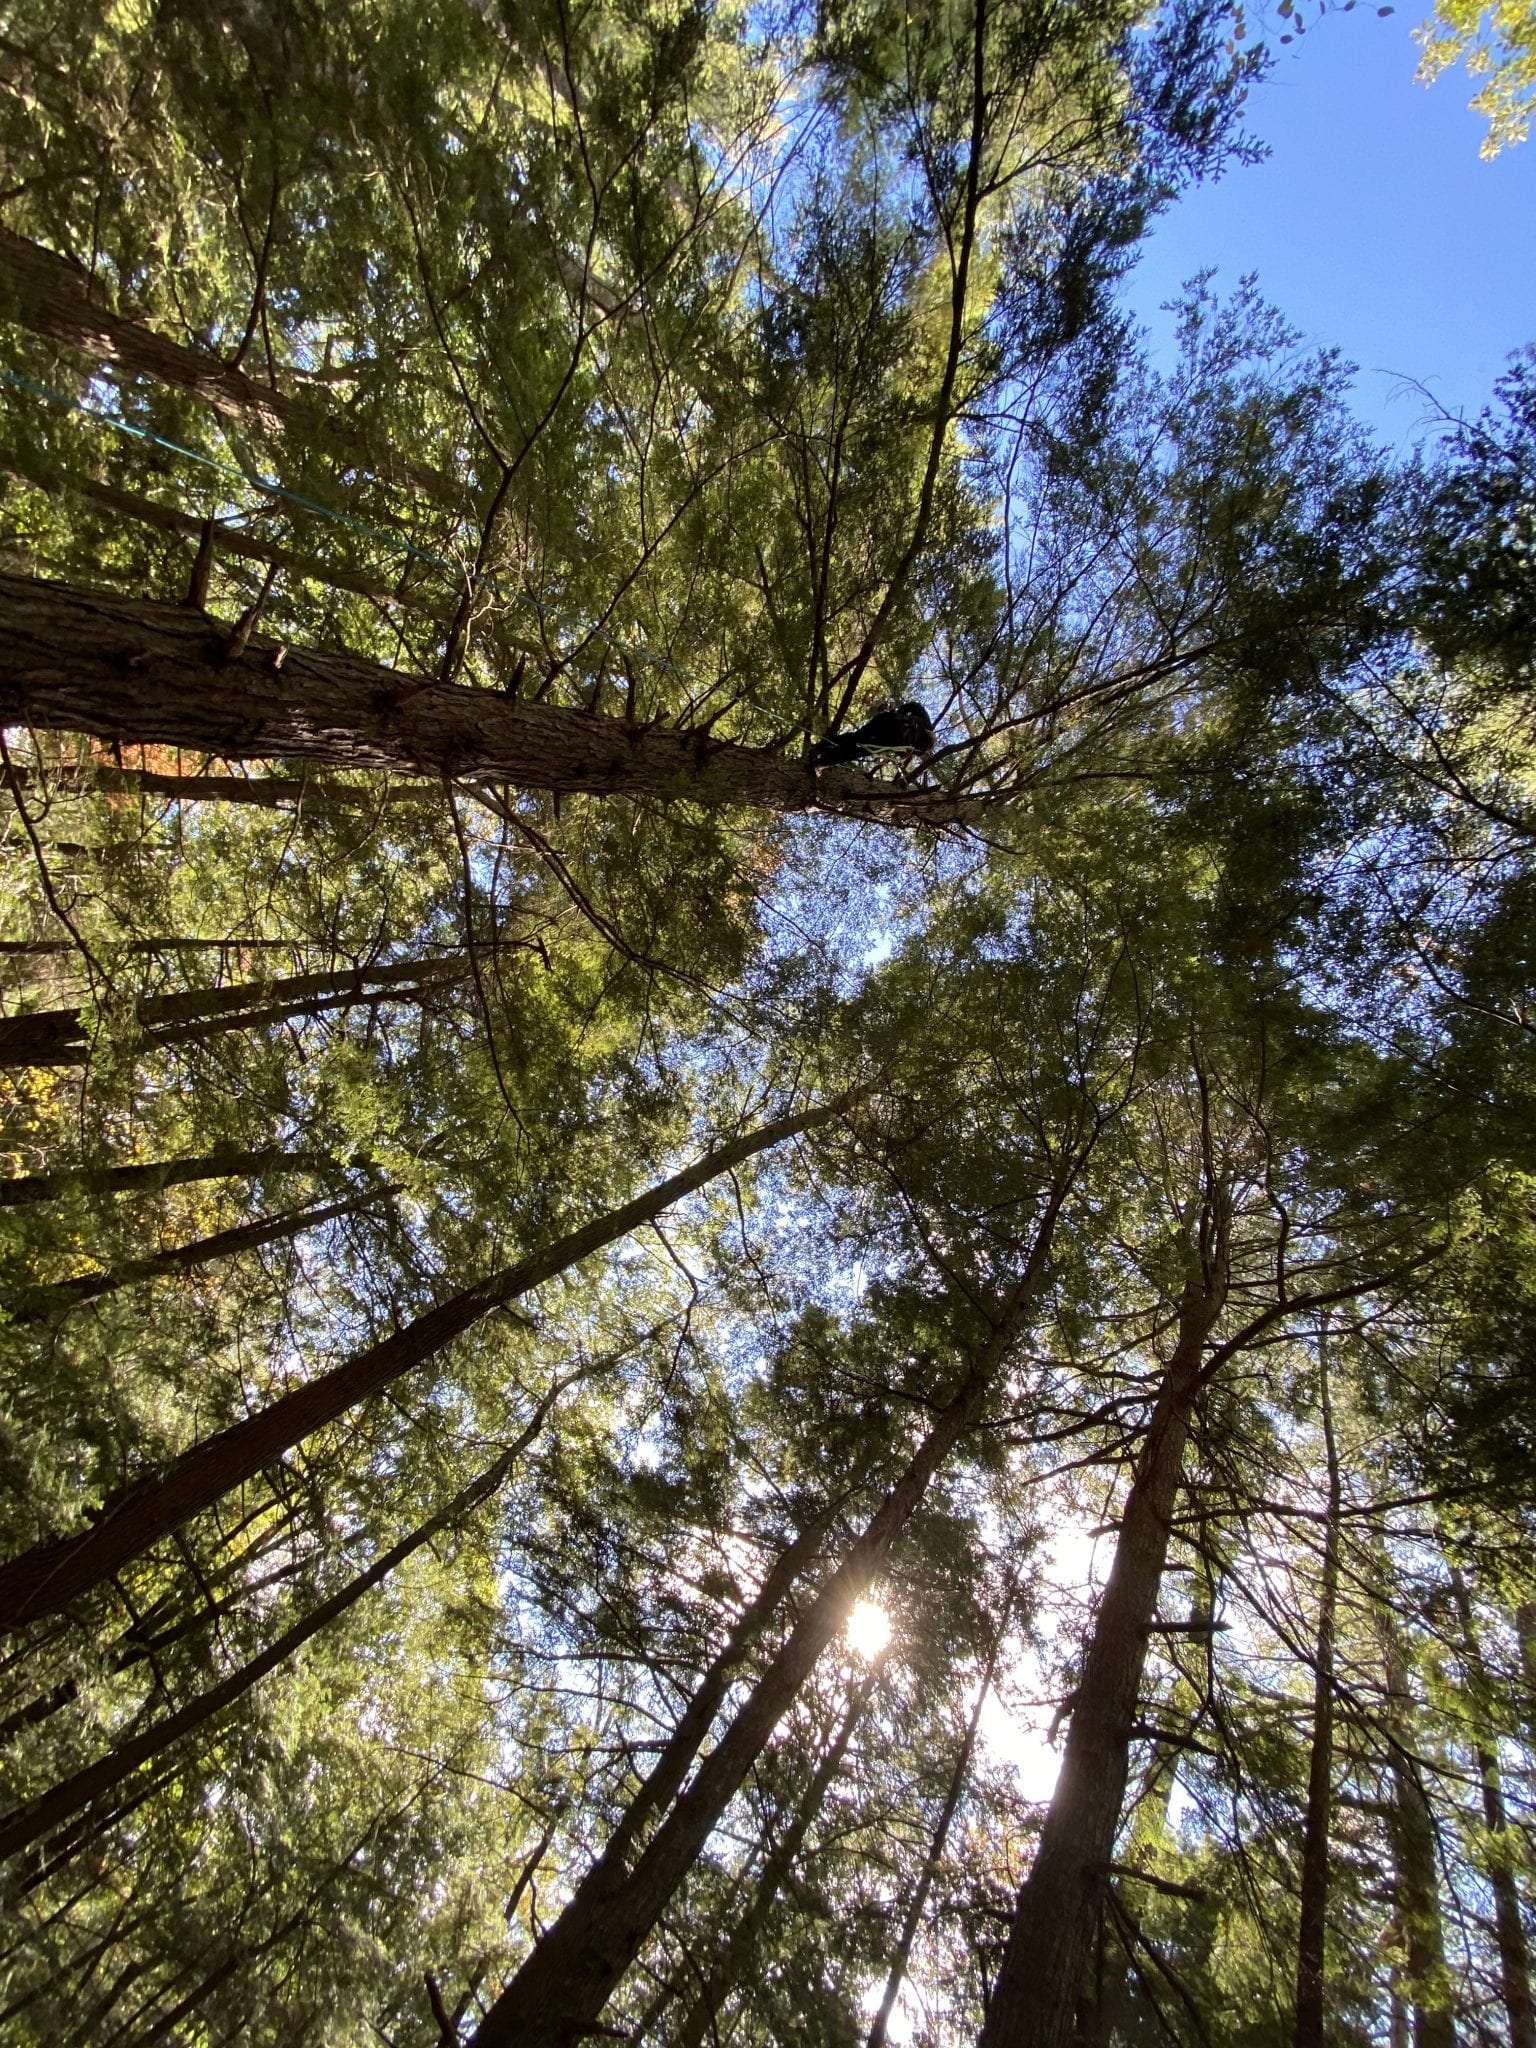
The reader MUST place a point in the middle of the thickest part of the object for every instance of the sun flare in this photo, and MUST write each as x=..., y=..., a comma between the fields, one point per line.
x=869, y=1628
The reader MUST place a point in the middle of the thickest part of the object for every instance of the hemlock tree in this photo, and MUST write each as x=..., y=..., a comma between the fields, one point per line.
x=524, y=1201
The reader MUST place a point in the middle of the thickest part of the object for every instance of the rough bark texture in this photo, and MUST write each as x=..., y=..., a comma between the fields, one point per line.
x=127, y=670
x=58, y=1038
x=268, y=792
x=153, y=1175
x=1504, y=1847
x=37, y=1304
x=1412, y=1831
x=46, y=1578
x=555, y=1998
x=1035, y=1998
x=40, y=1816
x=54, y=297
x=1311, y=1944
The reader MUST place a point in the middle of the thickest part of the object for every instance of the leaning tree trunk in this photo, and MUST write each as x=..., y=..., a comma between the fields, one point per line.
x=125, y=669
x=1034, y=2000
x=151, y=1176
x=46, y=1578
x=1311, y=1945
x=40, y=1816
x=58, y=1038
x=39, y=1304
x=735, y=1966
x=557, y=1995
x=917, y=1905
x=1503, y=1850
x=54, y=297
x=266, y=792
x=1411, y=1829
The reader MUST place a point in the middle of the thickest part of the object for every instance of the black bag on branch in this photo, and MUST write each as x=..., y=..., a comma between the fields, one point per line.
x=889, y=735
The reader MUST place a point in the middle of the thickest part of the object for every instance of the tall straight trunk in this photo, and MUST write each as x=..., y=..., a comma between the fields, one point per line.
x=917, y=1905
x=38, y=1304
x=54, y=297
x=149, y=1177
x=1503, y=1843
x=41, y=1816
x=735, y=1965
x=1311, y=1945
x=46, y=1578
x=267, y=792
x=1411, y=1830
x=58, y=1038
x=1034, y=2000
x=575, y=1966
x=125, y=669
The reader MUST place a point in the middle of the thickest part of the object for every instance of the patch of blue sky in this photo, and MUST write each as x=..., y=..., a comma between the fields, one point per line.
x=1372, y=225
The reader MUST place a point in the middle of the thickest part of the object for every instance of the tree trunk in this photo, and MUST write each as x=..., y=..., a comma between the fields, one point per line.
x=38, y=1304
x=52, y=296
x=1311, y=1944
x=917, y=1905
x=556, y=1996
x=268, y=792
x=1503, y=1842
x=127, y=670
x=1034, y=2000
x=151, y=1177
x=741, y=1949
x=1412, y=1831
x=39, y=1817
x=46, y=1578
x=58, y=1038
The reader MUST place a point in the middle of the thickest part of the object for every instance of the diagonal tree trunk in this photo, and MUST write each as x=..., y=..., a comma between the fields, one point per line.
x=1311, y=1945
x=40, y=1816
x=741, y=1950
x=55, y=1038
x=556, y=1996
x=1035, y=1998
x=917, y=1905
x=46, y=1578
x=267, y=792
x=38, y=1304
x=125, y=669
x=51, y=296
x=151, y=1176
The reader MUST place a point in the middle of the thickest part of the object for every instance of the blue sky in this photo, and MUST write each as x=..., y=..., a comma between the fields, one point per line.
x=1373, y=224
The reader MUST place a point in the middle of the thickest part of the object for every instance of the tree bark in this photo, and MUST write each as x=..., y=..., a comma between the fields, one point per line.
x=127, y=670
x=917, y=1905
x=46, y=1578
x=1411, y=1829
x=741, y=1949
x=1034, y=2000
x=555, y=1998
x=51, y=296
x=58, y=1038
x=269, y=792
x=40, y=1816
x=1311, y=1944
x=38, y=1304
x=152, y=1176
x=1503, y=1843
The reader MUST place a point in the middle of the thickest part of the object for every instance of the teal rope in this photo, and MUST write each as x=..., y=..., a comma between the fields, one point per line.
x=50, y=396
x=47, y=393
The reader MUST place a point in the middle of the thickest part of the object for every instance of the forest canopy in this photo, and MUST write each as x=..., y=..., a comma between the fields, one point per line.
x=662, y=1379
